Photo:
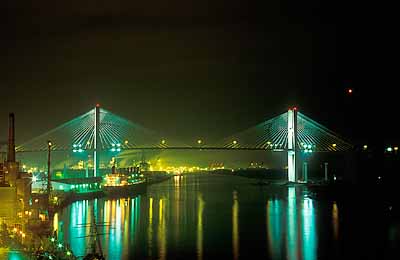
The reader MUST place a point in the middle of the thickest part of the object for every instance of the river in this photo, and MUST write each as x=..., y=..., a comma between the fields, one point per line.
x=204, y=216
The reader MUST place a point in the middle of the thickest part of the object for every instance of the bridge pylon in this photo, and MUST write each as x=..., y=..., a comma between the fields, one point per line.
x=96, y=160
x=292, y=145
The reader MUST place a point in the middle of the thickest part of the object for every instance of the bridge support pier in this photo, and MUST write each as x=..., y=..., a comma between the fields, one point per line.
x=292, y=145
x=305, y=172
x=326, y=171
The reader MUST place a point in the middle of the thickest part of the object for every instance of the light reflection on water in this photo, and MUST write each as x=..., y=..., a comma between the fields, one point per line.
x=203, y=217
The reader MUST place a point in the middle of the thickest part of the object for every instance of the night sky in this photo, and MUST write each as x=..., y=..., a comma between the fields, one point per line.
x=192, y=69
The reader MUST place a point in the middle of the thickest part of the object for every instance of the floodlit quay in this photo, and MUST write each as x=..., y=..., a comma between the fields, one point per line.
x=75, y=192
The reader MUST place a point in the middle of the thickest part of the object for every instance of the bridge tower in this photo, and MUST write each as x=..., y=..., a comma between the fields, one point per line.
x=292, y=144
x=95, y=140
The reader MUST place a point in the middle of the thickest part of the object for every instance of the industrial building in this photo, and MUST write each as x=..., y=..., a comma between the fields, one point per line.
x=15, y=185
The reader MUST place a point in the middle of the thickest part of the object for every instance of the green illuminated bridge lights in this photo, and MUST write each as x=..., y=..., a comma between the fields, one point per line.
x=100, y=130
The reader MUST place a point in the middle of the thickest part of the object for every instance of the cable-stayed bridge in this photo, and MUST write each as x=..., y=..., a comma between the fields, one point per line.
x=100, y=130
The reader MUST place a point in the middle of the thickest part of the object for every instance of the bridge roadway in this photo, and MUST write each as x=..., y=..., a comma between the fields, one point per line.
x=163, y=148
x=176, y=148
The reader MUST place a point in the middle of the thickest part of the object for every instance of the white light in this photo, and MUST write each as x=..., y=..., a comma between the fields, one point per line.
x=34, y=179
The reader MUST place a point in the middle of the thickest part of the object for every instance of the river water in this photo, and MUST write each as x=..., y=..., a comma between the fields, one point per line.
x=204, y=216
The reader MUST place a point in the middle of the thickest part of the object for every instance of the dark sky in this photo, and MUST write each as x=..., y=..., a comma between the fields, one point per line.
x=192, y=69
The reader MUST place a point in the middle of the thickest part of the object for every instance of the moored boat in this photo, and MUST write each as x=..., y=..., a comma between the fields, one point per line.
x=120, y=184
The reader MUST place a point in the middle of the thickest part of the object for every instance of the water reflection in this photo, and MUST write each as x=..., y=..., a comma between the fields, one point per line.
x=200, y=209
x=309, y=233
x=235, y=226
x=301, y=243
x=162, y=241
x=274, y=228
x=150, y=229
x=335, y=220
x=204, y=217
x=291, y=246
x=117, y=221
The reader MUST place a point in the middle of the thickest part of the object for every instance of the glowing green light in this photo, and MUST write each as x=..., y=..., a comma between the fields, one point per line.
x=68, y=253
x=389, y=149
x=60, y=245
x=52, y=239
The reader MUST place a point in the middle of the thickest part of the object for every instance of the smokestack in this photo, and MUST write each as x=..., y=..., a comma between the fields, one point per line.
x=11, y=139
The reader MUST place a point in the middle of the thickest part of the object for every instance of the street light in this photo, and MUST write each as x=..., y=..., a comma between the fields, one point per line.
x=79, y=150
x=116, y=147
x=49, y=144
